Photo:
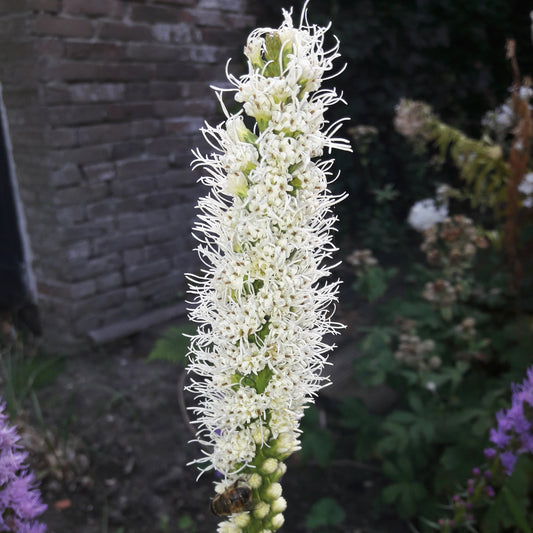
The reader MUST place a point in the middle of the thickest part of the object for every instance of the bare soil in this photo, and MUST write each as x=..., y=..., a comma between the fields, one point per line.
x=121, y=415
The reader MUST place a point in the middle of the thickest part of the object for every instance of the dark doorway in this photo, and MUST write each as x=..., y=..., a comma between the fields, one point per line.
x=15, y=294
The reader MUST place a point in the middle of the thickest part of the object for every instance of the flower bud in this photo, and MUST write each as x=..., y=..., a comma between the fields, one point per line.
x=278, y=520
x=255, y=481
x=269, y=466
x=274, y=491
x=241, y=520
x=279, y=505
x=261, y=510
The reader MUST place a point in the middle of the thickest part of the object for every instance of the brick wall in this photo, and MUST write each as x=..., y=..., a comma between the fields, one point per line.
x=104, y=101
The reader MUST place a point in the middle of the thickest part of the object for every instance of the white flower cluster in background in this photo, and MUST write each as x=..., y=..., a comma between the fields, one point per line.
x=526, y=188
x=265, y=235
x=424, y=214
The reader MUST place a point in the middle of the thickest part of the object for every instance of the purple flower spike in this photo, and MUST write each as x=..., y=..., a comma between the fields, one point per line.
x=513, y=434
x=490, y=453
x=20, y=500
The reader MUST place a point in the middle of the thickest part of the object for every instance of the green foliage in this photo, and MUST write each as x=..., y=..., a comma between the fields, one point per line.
x=173, y=346
x=450, y=365
x=372, y=283
x=186, y=523
x=23, y=369
x=325, y=512
x=317, y=442
x=440, y=423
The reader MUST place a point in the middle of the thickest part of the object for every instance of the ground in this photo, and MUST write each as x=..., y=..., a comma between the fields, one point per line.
x=121, y=441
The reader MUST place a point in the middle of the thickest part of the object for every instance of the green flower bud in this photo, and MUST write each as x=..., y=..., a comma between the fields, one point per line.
x=261, y=510
x=269, y=466
x=278, y=520
x=274, y=491
x=255, y=481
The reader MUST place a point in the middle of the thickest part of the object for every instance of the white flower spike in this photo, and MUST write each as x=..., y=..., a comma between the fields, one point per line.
x=261, y=305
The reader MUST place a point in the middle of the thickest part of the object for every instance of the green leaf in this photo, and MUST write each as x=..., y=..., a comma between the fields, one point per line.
x=262, y=379
x=516, y=511
x=173, y=346
x=325, y=512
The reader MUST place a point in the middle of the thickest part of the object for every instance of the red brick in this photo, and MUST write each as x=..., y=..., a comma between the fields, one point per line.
x=226, y=5
x=153, y=14
x=45, y=5
x=83, y=155
x=203, y=17
x=125, y=32
x=81, y=195
x=69, y=71
x=76, y=115
x=119, y=112
x=132, y=187
x=177, y=2
x=184, y=125
x=220, y=37
x=110, y=8
x=136, y=92
x=202, y=54
x=96, y=92
x=125, y=72
x=145, y=128
x=151, y=52
x=175, y=179
x=176, y=33
x=68, y=175
x=16, y=97
x=177, y=70
x=197, y=89
x=100, y=172
x=140, y=167
x=53, y=94
x=239, y=21
x=168, y=145
x=49, y=47
x=98, y=51
x=63, y=27
x=85, y=71
x=137, y=273
x=113, y=242
x=11, y=52
x=83, y=269
x=103, y=133
x=164, y=199
x=61, y=137
x=177, y=108
x=8, y=7
x=122, y=150
x=20, y=74
x=165, y=90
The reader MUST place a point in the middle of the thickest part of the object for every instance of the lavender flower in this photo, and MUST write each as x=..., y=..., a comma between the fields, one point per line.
x=20, y=501
x=264, y=230
x=513, y=434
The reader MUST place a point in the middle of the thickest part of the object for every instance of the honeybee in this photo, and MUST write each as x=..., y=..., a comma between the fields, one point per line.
x=235, y=499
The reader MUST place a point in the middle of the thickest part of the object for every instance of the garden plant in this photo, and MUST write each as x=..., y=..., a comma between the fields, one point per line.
x=262, y=304
x=461, y=333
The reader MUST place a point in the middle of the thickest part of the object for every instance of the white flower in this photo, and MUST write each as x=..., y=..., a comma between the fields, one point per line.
x=426, y=213
x=526, y=186
x=264, y=233
x=431, y=386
